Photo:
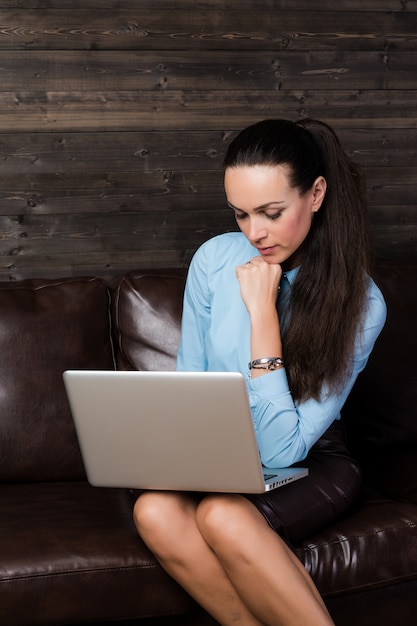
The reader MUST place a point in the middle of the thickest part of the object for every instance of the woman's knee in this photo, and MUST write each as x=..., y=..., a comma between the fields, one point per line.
x=147, y=511
x=159, y=515
x=225, y=518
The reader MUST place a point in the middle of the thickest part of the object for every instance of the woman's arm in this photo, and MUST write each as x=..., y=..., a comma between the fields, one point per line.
x=259, y=284
x=286, y=431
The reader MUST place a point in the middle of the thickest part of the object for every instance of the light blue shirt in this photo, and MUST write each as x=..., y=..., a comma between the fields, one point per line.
x=216, y=337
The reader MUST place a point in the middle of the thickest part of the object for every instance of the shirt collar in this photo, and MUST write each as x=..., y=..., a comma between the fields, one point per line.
x=291, y=275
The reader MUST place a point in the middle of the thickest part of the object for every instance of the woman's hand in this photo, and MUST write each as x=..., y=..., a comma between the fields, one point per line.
x=259, y=282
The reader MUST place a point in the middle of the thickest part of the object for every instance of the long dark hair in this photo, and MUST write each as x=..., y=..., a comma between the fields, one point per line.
x=329, y=294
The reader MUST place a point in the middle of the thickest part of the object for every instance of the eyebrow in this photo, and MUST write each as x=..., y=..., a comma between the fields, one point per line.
x=257, y=208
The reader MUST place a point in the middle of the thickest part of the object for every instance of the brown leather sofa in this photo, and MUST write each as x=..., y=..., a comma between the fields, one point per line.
x=69, y=553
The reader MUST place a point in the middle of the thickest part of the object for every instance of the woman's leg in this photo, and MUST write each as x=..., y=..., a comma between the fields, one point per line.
x=269, y=578
x=166, y=521
x=222, y=551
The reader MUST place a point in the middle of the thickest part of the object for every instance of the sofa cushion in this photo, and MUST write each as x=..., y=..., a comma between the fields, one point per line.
x=70, y=553
x=147, y=310
x=46, y=327
x=373, y=547
x=381, y=413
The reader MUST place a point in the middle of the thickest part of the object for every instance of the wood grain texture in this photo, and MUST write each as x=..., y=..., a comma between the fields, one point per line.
x=115, y=116
x=68, y=71
x=219, y=26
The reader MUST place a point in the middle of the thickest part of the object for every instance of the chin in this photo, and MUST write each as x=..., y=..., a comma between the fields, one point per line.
x=273, y=259
x=276, y=258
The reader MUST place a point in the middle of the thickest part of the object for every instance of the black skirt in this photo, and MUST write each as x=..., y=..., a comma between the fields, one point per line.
x=332, y=486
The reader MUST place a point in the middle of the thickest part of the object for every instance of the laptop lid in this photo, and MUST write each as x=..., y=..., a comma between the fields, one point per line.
x=188, y=431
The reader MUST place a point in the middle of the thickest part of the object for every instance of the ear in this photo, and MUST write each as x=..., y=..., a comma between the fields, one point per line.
x=318, y=192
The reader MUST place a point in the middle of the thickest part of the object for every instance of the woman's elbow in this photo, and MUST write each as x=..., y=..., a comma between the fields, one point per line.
x=283, y=458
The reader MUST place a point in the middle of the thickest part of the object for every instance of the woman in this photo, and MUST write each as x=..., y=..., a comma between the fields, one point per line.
x=299, y=203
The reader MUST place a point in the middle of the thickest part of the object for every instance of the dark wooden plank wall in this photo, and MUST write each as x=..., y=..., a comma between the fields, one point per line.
x=115, y=114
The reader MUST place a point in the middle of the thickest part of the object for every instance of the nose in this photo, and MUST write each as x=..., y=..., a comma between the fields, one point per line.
x=257, y=229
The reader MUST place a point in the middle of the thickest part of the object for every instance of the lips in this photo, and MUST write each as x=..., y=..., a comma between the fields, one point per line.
x=266, y=251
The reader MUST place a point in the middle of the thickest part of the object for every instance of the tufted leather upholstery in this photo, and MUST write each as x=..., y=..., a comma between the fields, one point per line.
x=148, y=334
x=70, y=553
x=46, y=326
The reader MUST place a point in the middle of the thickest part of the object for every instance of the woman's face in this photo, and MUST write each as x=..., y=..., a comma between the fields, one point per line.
x=273, y=216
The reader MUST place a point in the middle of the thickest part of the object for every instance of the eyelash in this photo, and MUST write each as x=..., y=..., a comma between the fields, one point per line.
x=242, y=216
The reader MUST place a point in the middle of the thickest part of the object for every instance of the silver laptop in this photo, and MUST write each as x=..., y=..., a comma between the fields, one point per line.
x=169, y=430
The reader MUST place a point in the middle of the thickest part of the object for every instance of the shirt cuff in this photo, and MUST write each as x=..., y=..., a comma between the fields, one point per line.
x=271, y=385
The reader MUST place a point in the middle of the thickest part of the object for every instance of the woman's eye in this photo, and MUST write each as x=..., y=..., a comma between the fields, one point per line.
x=273, y=216
x=270, y=216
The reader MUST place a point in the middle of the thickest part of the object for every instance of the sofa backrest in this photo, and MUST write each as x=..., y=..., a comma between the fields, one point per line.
x=381, y=413
x=146, y=313
x=47, y=327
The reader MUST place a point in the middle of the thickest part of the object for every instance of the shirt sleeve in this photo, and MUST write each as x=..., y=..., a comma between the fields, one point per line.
x=195, y=319
x=286, y=430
